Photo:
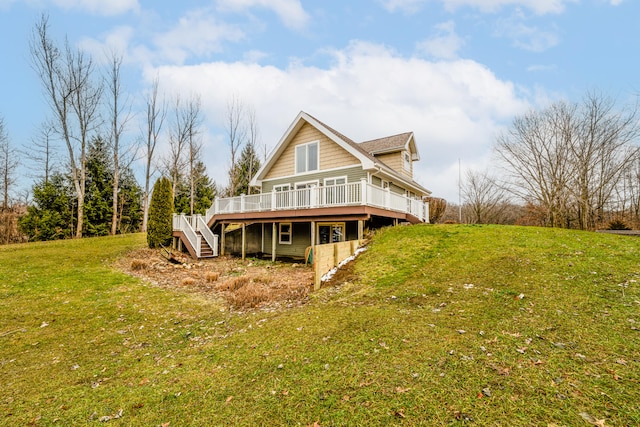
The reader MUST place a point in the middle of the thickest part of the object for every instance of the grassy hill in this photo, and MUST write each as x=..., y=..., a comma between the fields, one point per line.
x=438, y=325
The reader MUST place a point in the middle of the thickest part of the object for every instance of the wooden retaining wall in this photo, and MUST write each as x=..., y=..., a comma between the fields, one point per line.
x=327, y=256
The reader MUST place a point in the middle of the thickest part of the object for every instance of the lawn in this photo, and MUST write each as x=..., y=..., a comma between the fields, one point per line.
x=437, y=325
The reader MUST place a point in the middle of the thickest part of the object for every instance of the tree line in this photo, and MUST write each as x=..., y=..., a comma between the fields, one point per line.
x=91, y=189
x=571, y=165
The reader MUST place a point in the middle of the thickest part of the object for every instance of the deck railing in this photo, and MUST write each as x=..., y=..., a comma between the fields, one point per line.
x=350, y=194
x=190, y=226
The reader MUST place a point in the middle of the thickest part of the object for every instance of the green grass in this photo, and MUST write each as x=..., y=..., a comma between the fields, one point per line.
x=79, y=341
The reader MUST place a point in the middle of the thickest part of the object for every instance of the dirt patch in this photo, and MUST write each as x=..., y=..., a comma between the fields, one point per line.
x=242, y=285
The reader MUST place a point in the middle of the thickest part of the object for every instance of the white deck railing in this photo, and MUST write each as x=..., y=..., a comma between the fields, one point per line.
x=351, y=194
x=189, y=226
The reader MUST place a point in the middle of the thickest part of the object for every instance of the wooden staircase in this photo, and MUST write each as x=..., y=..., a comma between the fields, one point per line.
x=205, y=250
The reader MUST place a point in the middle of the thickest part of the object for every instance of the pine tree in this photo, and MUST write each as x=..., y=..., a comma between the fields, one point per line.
x=98, y=193
x=50, y=216
x=205, y=192
x=245, y=169
x=160, y=226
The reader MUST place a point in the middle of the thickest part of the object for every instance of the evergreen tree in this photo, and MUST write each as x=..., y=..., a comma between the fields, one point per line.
x=160, y=226
x=50, y=216
x=205, y=192
x=98, y=194
x=129, y=203
x=245, y=169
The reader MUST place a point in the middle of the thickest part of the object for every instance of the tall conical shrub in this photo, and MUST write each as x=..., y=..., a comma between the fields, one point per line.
x=160, y=225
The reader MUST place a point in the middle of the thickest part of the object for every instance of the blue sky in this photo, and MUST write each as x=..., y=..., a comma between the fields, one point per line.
x=455, y=72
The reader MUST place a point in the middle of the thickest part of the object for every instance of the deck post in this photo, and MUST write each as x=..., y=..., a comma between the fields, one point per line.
x=222, y=239
x=273, y=242
x=262, y=243
x=313, y=240
x=426, y=212
x=244, y=241
x=360, y=229
x=363, y=191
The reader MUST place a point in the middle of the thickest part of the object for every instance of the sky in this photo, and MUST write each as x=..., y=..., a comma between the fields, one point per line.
x=455, y=72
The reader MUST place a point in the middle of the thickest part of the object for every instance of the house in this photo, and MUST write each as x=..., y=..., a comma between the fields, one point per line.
x=317, y=186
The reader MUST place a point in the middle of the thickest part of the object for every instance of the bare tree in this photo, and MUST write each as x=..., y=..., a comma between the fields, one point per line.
x=237, y=133
x=175, y=162
x=156, y=114
x=571, y=159
x=536, y=152
x=601, y=152
x=484, y=199
x=252, y=141
x=119, y=115
x=74, y=98
x=8, y=165
x=42, y=152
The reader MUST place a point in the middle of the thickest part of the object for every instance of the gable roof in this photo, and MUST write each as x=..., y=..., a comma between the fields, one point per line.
x=366, y=158
x=392, y=144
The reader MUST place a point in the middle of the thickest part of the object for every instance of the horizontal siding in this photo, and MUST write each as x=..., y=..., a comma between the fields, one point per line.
x=300, y=240
x=395, y=162
x=352, y=174
x=331, y=154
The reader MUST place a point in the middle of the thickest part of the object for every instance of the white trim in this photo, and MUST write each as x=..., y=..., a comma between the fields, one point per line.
x=282, y=189
x=341, y=168
x=290, y=233
x=295, y=184
x=335, y=178
x=406, y=160
x=292, y=130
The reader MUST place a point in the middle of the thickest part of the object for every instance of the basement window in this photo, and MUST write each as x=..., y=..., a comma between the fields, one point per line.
x=285, y=233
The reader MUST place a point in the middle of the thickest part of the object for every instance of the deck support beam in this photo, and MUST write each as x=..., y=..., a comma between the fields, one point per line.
x=274, y=236
x=360, y=229
x=244, y=241
x=313, y=240
x=222, y=239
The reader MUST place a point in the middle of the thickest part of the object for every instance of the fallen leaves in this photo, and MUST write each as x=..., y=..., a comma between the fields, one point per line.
x=594, y=421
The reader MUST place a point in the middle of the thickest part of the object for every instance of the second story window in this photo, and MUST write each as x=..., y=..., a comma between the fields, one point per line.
x=307, y=157
x=407, y=161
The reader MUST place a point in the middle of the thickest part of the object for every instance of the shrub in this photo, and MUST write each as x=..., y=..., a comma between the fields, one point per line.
x=618, y=224
x=160, y=225
x=251, y=295
x=211, y=276
x=188, y=282
x=233, y=283
x=139, y=264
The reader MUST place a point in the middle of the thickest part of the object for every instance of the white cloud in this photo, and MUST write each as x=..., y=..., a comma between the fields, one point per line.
x=117, y=40
x=290, y=12
x=445, y=44
x=197, y=33
x=100, y=7
x=526, y=36
x=455, y=108
x=538, y=6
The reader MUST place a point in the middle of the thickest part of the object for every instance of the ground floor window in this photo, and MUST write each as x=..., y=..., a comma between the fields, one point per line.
x=331, y=232
x=285, y=233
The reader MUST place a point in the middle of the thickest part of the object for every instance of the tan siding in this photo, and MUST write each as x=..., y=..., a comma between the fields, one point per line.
x=353, y=175
x=395, y=162
x=331, y=154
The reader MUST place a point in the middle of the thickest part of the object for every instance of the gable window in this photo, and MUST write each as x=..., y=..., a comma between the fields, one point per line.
x=407, y=161
x=285, y=233
x=307, y=157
